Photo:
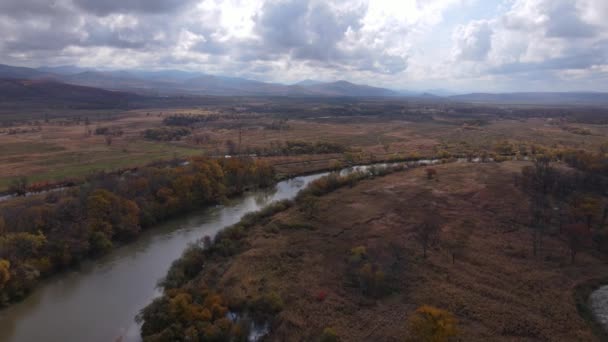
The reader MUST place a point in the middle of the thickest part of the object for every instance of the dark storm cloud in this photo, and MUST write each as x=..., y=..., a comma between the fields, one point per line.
x=105, y=7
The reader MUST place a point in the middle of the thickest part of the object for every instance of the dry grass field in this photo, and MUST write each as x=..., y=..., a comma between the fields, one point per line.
x=497, y=290
x=63, y=148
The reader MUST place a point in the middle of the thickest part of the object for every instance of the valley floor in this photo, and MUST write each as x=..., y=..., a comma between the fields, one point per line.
x=497, y=289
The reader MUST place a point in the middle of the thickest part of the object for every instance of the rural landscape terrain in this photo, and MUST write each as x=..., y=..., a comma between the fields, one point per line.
x=489, y=219
x=303, y=170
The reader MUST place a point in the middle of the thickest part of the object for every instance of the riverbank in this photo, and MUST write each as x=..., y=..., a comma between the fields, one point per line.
x=46, y=234
x=582, y=297
x=99, y=299
x=351, y=262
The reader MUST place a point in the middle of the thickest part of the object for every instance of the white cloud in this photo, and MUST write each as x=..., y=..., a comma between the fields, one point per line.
x=402, y=44
x=473, y=41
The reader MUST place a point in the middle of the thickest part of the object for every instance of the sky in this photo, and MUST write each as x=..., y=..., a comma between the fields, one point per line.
x=458, y=45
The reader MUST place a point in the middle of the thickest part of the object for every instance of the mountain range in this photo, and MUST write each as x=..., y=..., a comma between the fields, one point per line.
x=174, y=82
x=180, y=83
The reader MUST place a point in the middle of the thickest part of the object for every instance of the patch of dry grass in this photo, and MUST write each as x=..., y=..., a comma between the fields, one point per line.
x=497, y=290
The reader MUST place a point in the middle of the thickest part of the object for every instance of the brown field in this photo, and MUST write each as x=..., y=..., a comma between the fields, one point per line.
x=497, y=290
x=61, y=148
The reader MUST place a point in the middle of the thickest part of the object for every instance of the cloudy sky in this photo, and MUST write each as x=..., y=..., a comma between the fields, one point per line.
x=461, y=45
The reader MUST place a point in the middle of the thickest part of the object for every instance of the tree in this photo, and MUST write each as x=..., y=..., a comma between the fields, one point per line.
x=457, y=239
x=587, y=207
x=541, y=217
x=5, y=274
x=310, y=205
x=231, y=146
x=430, y=324
x=427, y=233
x=3, y=229
x=111, y=214
x=576, y=236
x=541, y=177
x=329, y=335
x=19, y=186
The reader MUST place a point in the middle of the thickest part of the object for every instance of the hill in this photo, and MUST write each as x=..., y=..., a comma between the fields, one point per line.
x=344, y=88
x=53, y=93
x=172, y=82
x=7, y=71
x=557, y=98
x=352, y=263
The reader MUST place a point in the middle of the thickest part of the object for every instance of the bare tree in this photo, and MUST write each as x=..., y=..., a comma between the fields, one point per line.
x=457, y=239
x=576, y=237
x=427, y=233
x=231, y=147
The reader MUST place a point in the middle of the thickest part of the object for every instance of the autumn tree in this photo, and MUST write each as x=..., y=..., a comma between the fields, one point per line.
x=3, y=229
x=5, y=274
x=587, y=208
x=19, y=186
x=310, y=205
x=427, y=233
x=231, y=147
x=430, y=173
x=541, y=177
x=541, y=211
x=110, y=214
x=457, y=239
x=576, y=237
x=329, y=335
x=430, y=324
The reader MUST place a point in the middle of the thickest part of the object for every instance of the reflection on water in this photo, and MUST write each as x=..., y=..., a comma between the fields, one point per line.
x=99, y=300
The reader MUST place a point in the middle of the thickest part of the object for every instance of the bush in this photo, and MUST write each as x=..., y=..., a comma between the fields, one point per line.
x=329, y=335
x=430, y=324
x=166, y=133
x=266, y=306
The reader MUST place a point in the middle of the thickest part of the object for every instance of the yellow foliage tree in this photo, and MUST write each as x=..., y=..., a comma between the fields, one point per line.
x=2, y=225
x=431, y=324
x=5, y=274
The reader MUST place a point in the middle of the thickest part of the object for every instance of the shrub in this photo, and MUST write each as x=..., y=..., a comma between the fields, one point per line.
x=430, y=324
x=166, y=133
x=329, y=335
x=321, y=295
x=267, y=305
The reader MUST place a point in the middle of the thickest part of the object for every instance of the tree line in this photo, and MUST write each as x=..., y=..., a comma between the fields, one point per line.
x=569, y=203
x=41, y=235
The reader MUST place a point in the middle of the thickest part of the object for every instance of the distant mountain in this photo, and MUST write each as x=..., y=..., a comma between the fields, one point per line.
x=62, y=70
x=173, y=82
x=306, y=83
x=49, y=92
x=440, y=92
x=557, y=98
x=7, y=71
x=344, y=88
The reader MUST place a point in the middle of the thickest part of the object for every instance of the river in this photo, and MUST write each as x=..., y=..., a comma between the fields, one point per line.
x=98, y=301
x=599, y=305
